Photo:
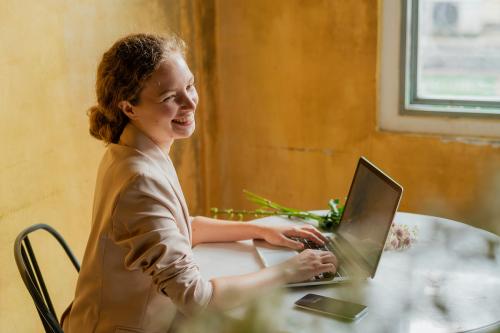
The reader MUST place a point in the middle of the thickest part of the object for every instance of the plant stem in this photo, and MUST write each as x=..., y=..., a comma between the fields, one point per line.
x=270, y=208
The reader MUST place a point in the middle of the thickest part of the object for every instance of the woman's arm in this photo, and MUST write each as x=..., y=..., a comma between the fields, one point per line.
x=207, y=230
x=231, y=291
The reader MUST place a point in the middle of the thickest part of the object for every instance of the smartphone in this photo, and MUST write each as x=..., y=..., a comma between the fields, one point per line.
x=332, y=307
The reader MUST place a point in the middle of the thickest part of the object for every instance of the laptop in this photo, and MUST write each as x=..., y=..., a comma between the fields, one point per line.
x=359, y=241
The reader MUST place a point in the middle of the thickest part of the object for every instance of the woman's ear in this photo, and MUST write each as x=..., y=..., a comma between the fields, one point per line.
x=127, y=109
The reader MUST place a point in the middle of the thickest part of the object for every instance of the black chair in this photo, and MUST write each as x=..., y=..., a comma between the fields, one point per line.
x=32, y=277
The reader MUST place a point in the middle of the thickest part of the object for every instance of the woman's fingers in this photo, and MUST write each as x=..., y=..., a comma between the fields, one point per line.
x=310, y=263
x=326, y=255
x=325, y=268
x=309, y=235
x=326, y=258
x=315, y=231
x=329, y=257
x=287, y=242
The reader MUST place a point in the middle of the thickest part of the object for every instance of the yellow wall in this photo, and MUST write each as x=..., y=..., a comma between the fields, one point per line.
x=50, y=51
x=297, y=105
x=288, y=103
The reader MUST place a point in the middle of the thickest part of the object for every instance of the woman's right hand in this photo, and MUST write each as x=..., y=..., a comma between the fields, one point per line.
x=307, y=264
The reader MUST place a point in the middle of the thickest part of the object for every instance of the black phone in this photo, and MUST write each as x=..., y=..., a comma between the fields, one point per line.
x=332, y=307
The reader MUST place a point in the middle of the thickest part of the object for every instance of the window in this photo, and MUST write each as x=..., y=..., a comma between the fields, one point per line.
x=452, y=56
x=440, y=67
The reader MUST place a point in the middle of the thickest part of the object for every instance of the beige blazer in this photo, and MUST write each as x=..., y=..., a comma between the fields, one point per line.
x=138, y=266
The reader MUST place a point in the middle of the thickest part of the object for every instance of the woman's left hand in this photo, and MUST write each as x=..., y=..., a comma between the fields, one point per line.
x=279, y=235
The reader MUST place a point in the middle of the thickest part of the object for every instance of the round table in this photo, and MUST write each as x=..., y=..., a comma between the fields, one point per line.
x=447, y=281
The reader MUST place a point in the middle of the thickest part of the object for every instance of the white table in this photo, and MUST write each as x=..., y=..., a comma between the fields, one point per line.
x=448, y=281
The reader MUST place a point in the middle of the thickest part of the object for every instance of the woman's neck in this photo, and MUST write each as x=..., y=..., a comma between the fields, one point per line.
x=163, y=145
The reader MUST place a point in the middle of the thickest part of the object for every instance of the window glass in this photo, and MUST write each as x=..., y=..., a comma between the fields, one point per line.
x=458, y=50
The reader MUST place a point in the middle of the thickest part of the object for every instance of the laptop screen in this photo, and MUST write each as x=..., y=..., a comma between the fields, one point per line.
x=369, y=210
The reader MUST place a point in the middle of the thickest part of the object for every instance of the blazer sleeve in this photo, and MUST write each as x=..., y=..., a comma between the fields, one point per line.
x=144, y=225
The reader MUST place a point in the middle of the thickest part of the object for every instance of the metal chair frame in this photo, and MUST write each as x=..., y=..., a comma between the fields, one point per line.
x=32, y=276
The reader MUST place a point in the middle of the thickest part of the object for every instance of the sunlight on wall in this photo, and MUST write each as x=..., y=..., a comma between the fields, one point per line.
x=50, y=52
x=298, y=106
x=290, y=93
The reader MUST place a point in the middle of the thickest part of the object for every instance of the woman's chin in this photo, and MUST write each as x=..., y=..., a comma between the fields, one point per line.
x=184, y=131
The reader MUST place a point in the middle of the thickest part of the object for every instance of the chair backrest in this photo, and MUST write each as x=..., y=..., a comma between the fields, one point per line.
x=32, y=276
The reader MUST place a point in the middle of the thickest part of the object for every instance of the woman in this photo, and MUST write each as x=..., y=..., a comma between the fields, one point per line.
x=138, y=267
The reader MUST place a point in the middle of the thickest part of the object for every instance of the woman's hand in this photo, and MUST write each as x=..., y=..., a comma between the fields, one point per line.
x=307, y=264
x=279, y=235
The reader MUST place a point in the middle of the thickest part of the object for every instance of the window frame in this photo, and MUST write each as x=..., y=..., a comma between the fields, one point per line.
x=390, y=79
x=411, y=103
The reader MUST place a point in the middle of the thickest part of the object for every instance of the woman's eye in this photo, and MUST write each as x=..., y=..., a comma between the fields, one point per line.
x=190, y=86
x=168, y=98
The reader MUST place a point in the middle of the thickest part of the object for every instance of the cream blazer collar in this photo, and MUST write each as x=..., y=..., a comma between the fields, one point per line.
x=134, y=138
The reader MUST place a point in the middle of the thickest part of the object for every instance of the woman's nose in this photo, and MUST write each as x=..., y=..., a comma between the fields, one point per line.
x=190, y=100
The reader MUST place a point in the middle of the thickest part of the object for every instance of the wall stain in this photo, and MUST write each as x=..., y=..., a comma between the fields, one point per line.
x=325, y=151
x=27, y=160
x=30, y=203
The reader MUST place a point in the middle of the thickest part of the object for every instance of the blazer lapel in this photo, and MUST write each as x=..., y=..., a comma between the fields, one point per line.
x=135, y=138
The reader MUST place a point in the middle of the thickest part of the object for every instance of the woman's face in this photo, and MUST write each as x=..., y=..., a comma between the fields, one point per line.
x=167, y=103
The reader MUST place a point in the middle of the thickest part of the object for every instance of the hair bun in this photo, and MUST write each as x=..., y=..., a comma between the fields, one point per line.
x=99, y=123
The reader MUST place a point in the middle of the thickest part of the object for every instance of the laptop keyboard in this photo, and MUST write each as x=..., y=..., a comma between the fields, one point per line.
x=309, y=244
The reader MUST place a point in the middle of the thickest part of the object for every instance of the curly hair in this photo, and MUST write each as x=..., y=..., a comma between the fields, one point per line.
x=121, y=75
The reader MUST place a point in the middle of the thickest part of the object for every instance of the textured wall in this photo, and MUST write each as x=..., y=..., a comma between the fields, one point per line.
x=288, y=103
x=50, y=51
x=297, y=105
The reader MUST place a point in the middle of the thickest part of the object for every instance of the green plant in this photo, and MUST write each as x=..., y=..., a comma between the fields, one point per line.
x=270, y=208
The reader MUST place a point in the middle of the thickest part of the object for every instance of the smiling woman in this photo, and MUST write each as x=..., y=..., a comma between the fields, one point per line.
x=138, y=269
x=128, y=67
x=166, y=103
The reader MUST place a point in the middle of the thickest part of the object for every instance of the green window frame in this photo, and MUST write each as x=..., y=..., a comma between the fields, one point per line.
x=410, y=102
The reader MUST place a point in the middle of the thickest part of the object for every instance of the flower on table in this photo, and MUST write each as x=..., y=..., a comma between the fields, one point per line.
x=400, y=237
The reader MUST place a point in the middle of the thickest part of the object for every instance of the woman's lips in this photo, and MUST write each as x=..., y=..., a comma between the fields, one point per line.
x=185, y=120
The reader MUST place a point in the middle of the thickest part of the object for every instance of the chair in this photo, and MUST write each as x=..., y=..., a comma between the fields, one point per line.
x=32, y=276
